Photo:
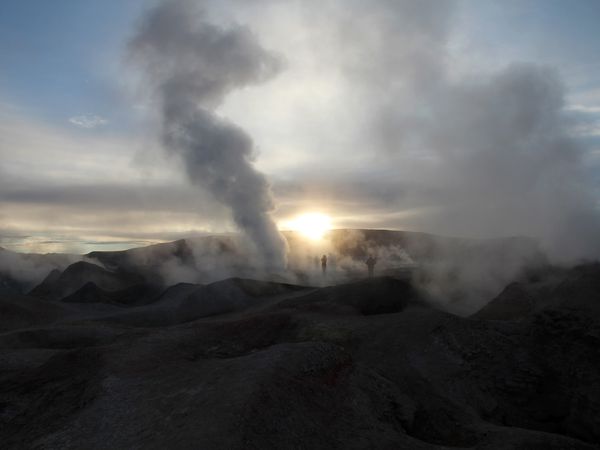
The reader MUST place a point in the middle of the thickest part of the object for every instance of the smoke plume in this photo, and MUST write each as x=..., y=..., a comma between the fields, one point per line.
x=191, y=65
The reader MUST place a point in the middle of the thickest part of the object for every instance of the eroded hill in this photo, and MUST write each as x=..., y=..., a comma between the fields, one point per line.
x=245, y=364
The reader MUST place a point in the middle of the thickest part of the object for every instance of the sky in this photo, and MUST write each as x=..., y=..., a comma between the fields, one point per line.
x=472, y=118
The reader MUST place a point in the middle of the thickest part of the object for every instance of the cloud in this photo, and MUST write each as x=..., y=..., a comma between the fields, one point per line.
x=78, y=188
x=88, y=122
x=584, y=119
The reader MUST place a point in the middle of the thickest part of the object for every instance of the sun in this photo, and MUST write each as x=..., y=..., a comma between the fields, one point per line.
x=311, y=225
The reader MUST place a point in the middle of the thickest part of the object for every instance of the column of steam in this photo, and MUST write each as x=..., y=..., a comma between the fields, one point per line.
x=190, y=66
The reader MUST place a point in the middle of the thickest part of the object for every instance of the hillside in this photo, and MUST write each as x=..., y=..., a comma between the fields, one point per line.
x=548, y=289
x=243, y=364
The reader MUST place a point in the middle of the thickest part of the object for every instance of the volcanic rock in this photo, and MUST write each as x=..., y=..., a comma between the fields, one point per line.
x=241, y=364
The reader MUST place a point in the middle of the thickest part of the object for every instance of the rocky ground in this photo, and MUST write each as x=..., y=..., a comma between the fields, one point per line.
x=98, y=359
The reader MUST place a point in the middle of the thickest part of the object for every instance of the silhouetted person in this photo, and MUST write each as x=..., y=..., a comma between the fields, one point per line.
x=324, y=264
x=370, y=262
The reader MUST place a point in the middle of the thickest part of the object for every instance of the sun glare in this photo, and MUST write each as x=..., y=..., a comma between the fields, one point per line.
x=313, y=225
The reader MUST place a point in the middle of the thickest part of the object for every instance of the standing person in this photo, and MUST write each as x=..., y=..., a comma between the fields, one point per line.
x=324, y=264
x=370, y=262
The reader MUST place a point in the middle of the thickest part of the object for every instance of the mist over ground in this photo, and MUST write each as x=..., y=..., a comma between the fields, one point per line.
x=458, y=275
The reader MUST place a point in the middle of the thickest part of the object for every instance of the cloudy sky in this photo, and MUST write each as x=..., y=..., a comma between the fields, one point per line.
x=469, y=118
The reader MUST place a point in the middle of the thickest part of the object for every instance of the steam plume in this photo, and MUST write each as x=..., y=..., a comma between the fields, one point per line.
x=191, y=65
x=480, y=153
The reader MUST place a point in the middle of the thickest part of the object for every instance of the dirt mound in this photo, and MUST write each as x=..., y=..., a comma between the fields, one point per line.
x=514, y=302
x=185, y=302
x=136, y=295
x=371, y=296
x=74, y=277
x=256, y=288
x=550, y=289
x=21, y=311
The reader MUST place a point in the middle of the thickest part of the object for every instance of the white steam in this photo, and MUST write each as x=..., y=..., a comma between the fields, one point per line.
x=191, y=65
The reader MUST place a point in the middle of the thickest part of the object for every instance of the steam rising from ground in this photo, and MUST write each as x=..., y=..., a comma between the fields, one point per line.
x=23, y=271
x=460, y=275
x=191, y=65
x=414, y=132
x=503, y=159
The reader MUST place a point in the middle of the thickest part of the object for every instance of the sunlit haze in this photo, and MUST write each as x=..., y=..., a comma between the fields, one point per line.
x=311, y=225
